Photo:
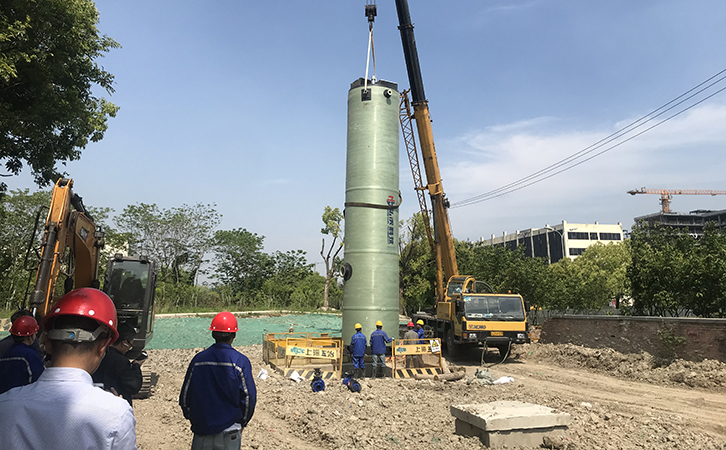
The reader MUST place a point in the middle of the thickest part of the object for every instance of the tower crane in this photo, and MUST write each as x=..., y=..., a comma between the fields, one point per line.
x=666, y=195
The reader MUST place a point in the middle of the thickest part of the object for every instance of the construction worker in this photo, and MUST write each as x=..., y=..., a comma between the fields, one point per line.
x=8, y=341
x=117, y=374
x=420, y=330
x=409, y=338
x=379, y=339
x=357, y=348
x=20, y=365
x=63, y=410
x=219, y=395
x=418, y=359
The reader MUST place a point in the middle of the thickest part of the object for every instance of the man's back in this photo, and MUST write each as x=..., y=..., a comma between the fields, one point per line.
x=218, y=390
x=19, y=366
x=378, y=342
x=74, y=415
x=116, y=371
x=410, y=334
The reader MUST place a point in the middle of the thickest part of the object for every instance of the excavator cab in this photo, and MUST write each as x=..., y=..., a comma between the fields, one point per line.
x=131, y=283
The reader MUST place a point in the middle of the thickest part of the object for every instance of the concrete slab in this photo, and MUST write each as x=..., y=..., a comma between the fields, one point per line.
x=509, y=415
x=510, y=438
x=508, y=423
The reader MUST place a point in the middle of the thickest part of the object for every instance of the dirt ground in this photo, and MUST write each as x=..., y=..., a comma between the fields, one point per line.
x=616, y=401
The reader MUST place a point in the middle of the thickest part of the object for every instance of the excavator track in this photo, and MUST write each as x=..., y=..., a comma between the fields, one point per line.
x=145, y=391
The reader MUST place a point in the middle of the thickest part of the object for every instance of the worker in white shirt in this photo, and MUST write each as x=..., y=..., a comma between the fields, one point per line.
x=63, y=410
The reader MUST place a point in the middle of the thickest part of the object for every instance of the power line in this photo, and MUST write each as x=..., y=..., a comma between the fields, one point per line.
x=572, y=160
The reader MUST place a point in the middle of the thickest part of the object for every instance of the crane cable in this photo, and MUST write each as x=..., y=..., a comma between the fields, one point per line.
x=538, y=176
x=371, y=14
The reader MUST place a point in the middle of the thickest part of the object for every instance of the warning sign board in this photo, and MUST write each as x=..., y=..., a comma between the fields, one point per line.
x=311, y=352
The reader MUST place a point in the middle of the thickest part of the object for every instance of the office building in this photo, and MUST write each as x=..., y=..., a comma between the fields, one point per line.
x=552, y=242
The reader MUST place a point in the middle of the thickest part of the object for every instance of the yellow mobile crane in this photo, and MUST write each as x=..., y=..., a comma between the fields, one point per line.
x=468, y=312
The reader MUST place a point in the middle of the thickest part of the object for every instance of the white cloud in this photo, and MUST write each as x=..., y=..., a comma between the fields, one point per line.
x=685, y=152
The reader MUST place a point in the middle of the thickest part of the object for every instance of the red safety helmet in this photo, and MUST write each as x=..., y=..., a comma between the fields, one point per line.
x=84, y=302
x=410, y=324
x=225, y=322
x=24, y=326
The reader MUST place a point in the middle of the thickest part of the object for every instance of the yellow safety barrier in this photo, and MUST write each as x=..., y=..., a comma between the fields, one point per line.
x=303, y=352
x=411, y=357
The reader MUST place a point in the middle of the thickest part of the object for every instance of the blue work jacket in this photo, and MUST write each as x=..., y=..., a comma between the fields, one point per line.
x=379, y=338
x=358, y=344
x=420, y=333
x=19, y=366
x=219, y=390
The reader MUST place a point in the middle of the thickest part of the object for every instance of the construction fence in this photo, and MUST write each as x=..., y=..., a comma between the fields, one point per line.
x=304, y=352
x=413, y=357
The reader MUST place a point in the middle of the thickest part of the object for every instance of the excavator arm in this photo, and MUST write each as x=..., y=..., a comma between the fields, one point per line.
x=70, y=237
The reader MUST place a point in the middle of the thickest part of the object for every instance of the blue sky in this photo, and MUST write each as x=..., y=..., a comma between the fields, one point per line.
x=243, y=104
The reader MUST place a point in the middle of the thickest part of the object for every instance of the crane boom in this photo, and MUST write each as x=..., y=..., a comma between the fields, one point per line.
x=666, y=195
x=444, y=242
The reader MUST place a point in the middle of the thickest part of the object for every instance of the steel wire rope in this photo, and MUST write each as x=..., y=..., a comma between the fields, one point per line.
x=604, y=141
x=371, y=51
x=461, y=204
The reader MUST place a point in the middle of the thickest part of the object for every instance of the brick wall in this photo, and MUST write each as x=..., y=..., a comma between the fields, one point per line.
x=687, y=338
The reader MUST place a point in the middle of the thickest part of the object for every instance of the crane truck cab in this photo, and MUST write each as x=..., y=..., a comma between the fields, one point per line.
x=473, y=315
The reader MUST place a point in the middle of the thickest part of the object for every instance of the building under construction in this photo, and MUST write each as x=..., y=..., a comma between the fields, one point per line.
x=692, y=222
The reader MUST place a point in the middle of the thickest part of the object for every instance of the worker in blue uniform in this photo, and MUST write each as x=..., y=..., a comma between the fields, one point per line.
x=420, y=330
x=379, y=339
x=21, y=365
x=219, y=395
x=357, y=348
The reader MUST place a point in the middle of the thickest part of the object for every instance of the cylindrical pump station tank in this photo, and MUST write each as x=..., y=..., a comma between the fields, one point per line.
x=372, y=198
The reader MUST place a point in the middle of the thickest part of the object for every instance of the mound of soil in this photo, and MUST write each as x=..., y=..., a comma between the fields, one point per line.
x=707, y=374
x=393, y=414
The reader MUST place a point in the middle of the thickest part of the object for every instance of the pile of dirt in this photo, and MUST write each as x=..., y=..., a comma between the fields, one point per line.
x=391, y=413
x=707, y=374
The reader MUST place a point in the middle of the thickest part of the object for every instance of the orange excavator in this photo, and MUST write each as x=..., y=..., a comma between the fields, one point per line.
x=71, y=248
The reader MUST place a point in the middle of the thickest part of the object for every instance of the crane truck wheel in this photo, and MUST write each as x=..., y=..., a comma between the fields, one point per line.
x=452, y=348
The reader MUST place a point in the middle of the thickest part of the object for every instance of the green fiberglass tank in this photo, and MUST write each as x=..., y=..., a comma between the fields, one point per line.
x=370, y=268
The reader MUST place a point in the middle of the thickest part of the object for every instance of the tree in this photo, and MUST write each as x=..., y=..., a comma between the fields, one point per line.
x=240, y=262
x=331, y=219
x=19, y=210
x=178, y=237
x=661, y=259
x=116, y=242
x=292, y=281
x=48, y=68
x=707, y=273
x=416, y=265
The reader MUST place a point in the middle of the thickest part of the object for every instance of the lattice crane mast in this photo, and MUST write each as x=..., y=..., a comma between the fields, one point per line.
x=666, y=195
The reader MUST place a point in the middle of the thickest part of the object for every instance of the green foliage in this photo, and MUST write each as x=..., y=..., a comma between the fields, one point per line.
x=593, y=280
x=48, y=69
x=588, y=283
x=671, y=346
x=178, y=237
x=672, y=273
x=240, y=262
x=332, y=219
x=18, y=212
x=416, y=265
